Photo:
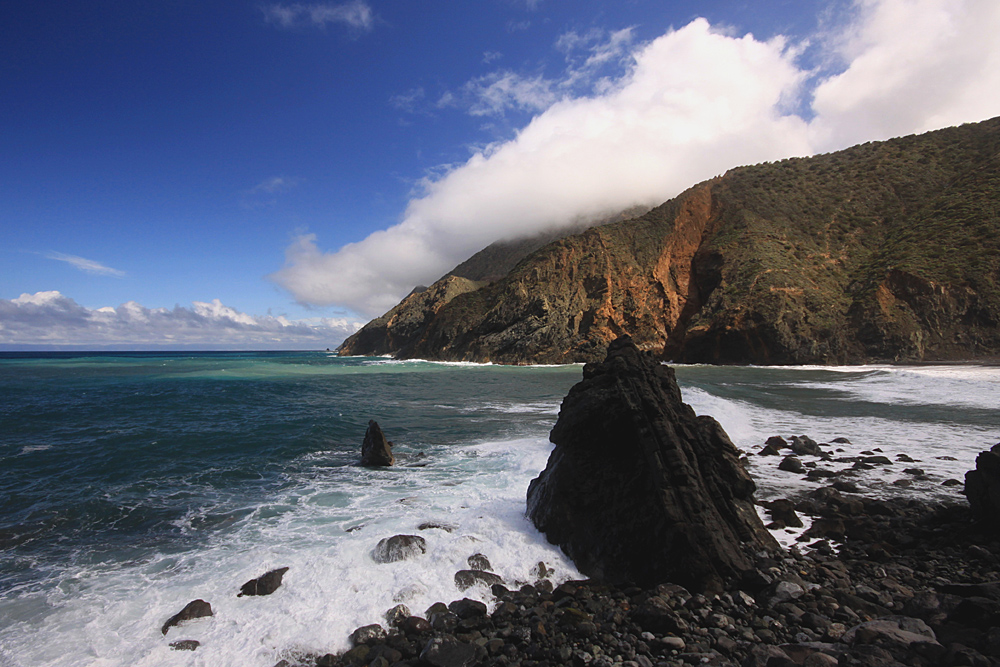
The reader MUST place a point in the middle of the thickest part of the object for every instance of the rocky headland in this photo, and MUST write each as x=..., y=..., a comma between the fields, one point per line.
x=888, y=251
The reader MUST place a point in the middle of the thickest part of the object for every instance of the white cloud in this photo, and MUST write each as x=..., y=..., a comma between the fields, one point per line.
x=357, y=15
x=493, y=94
x=86, y=265
x=691, y=104
x=49, y=318
x=409, y=100
x=912, y=66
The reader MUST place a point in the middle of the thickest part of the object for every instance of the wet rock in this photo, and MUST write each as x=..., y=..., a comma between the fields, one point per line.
x=265, y=584
x=185, y=645
x=466, y=579
x=792, y=464
x=845, y=486
x=395, y=616
x=542, y=571
x=466, y=608
x=783, y=510
x=368, y=634
x=399, y=547
x=803, y=445
x=639, y=488
x=375, y=449
x=414, y=625
x=437, y=525
x=192, y=610
x=772, y=449
x=776, y=441
x=480, y=562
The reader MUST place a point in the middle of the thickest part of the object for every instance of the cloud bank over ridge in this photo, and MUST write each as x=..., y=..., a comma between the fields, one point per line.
x=49, y=318
x=690, y=104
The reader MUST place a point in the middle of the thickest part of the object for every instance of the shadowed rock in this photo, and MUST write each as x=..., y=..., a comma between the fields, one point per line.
x=193, y=609
x=639, y=488
x=264, y=585
x=376, y=450
x=982, y=487
x=448, y=652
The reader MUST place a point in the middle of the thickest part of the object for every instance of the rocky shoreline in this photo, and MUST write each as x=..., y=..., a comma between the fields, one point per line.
x=909, y=583
x=656, y=504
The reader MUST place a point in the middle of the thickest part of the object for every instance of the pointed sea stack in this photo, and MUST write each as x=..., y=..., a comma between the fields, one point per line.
x=376, y=450
x=640, y=489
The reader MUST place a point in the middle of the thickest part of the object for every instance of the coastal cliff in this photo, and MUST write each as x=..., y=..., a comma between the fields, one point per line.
x=887, y=251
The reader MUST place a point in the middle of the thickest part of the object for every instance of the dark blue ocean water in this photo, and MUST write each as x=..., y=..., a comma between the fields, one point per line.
x=103, y=455
x=131, y=483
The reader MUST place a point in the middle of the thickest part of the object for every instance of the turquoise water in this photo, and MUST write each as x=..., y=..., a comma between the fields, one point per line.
x=132, y=483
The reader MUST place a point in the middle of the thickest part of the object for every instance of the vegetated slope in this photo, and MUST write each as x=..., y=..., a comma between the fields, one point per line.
x=887, y=251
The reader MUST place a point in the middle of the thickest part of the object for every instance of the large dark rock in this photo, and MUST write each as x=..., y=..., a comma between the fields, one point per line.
x=376, y=450
x=265, y=584
x=982, y=487
x=641, y=489
x=192, y=610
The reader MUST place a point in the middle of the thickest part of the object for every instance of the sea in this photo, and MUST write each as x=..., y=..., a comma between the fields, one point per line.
x=134, y=483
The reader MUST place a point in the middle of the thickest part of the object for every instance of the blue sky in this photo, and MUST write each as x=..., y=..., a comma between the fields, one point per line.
x=267, y=174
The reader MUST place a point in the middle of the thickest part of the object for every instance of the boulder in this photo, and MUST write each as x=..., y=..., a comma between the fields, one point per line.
x=397, y=615
x=982, y=487
x=399, y=547
x=376, y=450
x=639, y=488
x=368, y=634
x=465, y=579
x=192, y=610
x=792, y=464
x=783, y=510
x=263, y=585
x=466, y=608
x=479, y=562
x=803, y=445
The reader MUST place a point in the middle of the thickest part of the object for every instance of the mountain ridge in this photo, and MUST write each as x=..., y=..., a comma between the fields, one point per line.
x=886, y=251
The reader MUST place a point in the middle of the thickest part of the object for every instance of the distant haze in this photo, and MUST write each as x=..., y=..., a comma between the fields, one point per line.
x=691, y=104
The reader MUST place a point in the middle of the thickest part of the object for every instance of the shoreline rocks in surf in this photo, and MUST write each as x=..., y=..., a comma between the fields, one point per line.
x=912, y=583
